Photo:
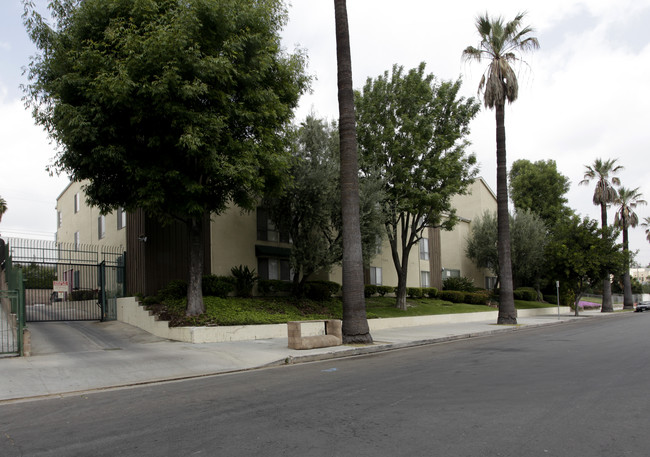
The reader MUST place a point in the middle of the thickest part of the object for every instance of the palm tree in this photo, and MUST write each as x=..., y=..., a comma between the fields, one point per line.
x=627, y=200
x=604, y=194
x=646, y=224
x=500, y=43
x=355, y=323
x=3, y=207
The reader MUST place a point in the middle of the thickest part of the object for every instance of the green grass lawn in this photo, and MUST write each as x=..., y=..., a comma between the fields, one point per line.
x=278, y=310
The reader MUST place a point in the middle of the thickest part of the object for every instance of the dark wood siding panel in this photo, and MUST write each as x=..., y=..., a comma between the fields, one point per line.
x=164, y=256
x=435, y=258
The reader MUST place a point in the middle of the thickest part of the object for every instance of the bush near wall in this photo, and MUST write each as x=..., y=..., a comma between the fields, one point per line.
x=461, y=284
x=414, y=292
x=333, y=287
x=477, y=298
x=369, y=290
x=268, y=287
x=454, y=296
x=383, y=290
x=525, y=293
x=430, y=292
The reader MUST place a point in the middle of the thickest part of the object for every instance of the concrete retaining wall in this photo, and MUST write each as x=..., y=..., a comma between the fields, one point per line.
x=130, y=312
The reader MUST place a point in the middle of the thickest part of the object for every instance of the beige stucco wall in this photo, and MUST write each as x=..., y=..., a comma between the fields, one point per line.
x=85, y=221
x=469, y=208
x=233, y=236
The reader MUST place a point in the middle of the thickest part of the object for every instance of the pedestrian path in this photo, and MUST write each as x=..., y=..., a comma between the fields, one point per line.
x=122, y=355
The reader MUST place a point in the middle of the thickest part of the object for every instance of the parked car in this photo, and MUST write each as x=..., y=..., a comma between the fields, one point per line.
x=643, y=306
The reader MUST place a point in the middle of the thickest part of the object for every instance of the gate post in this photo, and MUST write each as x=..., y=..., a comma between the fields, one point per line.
x=102, y=289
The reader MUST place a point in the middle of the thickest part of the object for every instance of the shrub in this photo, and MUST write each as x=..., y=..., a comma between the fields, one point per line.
x=318, y=291
x=477, y=298
x=430, y=292
x=462, y=284
x=333, y=287
x=244, y=280
x=525, y=293
x=217, y=286
x=414, y=292
x=383, y=290
x=454, y=296
x=273, y=287
x=369, y=290
x=173, y=290
x=550, y=298
x=85, y=294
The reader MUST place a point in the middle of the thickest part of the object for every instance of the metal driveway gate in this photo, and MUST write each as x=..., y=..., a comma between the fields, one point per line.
x=67, y=282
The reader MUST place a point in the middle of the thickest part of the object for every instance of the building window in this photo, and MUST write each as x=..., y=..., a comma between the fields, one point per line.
x=266, y=230
x=274, y=268
x=77, y=204
x=77, y=241
x=447, y=273
x=424, y=249
x=59, y=219
x=375, y=276
x=490, y=282
x=425, y=279
x=121, y=218
x=101, y=227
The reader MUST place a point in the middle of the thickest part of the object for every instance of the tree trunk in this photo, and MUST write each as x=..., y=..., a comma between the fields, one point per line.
x=507, y=310
x=195, y=305
x=607, y=306
x=628, y=300
x=355, y=323
x=402, y=274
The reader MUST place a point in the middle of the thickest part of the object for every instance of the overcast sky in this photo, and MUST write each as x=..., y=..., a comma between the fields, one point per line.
x=585, y=94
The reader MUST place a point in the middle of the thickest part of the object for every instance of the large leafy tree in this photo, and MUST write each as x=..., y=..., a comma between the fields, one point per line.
x=602, y=172
x=412, y=136
x=177, y=108
x=578, y=254
x=309, y=208
x=355, y=322
x=500, y=44
x=626, y=201
x=529, y=237
x=541, y=188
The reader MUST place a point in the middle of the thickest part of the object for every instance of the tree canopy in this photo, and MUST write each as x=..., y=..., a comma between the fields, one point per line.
x=541, y=188
x=528, y=239
x=178, y=108
x=309, y=208
x=412, y=131
x=579, y=254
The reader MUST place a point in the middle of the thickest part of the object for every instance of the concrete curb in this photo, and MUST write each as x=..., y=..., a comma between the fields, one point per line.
x=385, y=347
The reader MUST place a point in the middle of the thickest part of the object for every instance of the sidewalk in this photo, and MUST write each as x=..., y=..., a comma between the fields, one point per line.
x=141, y=360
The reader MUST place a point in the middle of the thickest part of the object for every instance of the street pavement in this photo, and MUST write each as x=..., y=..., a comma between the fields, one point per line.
x=70, y=358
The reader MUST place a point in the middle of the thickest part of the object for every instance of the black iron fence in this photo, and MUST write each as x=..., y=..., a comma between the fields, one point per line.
x=12, y=305
x=64, y=281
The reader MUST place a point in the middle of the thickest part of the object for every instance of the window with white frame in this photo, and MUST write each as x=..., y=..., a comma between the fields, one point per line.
x=266, y=229
x=375, y=276
x=59, y=219
x=424, y=249
x=77, y=240
x=77, y=203
x=425, y=279
x=121, y=218
x=101, y=227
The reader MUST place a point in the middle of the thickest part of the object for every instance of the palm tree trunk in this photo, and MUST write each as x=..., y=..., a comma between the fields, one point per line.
x=195, y=305
x=355, y=323
x=628, y=300
x=507, y=310
x=607, y=284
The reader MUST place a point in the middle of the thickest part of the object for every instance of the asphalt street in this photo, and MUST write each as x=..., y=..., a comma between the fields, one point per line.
x=569, y=390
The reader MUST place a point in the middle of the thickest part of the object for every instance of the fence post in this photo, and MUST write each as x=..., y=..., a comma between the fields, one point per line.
x=102, y=289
